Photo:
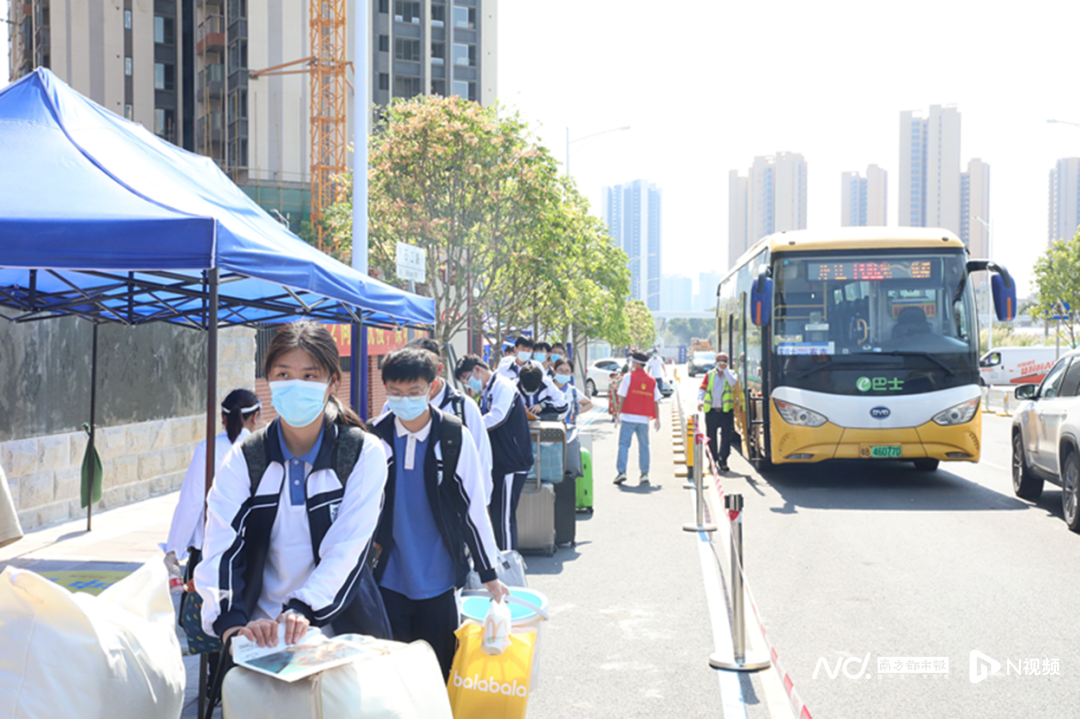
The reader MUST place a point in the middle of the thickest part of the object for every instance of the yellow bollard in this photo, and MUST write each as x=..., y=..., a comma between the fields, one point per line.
x=690, y=440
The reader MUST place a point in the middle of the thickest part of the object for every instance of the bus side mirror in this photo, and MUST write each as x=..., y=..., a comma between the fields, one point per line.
x=1004, y=297
x=761, y=294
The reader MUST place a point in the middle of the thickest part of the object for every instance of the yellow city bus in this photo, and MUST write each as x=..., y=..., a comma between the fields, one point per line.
x=857, y=343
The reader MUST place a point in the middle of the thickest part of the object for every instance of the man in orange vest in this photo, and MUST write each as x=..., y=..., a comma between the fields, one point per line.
x=638, y=401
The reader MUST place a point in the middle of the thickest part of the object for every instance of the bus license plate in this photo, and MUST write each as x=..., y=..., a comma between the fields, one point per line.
x=882, y=451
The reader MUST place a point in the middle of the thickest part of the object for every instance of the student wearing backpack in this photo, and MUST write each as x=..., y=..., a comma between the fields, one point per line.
x=293, y=509
x=446, y=398
x=507, y=424
x=434, y=508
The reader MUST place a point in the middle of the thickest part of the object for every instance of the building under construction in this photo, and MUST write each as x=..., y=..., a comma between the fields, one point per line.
x=184, y=69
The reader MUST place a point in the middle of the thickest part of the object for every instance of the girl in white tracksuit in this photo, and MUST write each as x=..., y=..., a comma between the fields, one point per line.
x=289, y=523
x=240, y=414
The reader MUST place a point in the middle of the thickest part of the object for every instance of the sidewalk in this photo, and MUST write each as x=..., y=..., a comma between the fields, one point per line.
x=630, y=631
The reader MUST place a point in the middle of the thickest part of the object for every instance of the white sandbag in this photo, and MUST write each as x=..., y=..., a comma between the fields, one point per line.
x=114, y=656
x=403, y=681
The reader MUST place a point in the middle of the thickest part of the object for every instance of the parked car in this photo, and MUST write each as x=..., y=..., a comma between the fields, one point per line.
x=701, y=362
x=597, y=377
x=1046, y=437
x=1016, y=365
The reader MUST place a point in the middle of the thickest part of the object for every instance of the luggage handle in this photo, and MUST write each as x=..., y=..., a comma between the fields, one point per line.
x=510, y=599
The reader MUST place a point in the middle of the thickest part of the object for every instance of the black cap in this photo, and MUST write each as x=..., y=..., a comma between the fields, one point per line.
x=640, y=357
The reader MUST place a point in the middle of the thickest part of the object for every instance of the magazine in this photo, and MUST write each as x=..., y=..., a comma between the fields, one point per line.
x=314, y=653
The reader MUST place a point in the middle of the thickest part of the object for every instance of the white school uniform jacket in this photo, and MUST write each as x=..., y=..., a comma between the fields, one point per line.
x=474, y=424
x=344, y=519
x=188, y=520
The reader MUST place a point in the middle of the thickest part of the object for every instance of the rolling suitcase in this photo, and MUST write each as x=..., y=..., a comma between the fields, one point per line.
x=536, y=518
x=584, y=483
x=566, y=512
x=536, y=509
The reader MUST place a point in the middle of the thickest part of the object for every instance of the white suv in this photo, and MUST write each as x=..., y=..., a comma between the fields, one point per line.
x=1046, y=437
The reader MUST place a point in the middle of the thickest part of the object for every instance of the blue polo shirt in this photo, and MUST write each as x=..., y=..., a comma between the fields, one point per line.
x=419, y=565
x=296, y=468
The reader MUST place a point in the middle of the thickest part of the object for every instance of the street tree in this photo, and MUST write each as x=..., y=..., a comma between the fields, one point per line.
x=1057, y=279
x=467, y=184
x=641, y=329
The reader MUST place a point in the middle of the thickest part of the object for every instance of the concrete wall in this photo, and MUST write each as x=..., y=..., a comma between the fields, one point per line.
x=139, y=459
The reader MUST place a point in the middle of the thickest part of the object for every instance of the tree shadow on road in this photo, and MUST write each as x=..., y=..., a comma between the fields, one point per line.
x=539, y=564
x=859, y=485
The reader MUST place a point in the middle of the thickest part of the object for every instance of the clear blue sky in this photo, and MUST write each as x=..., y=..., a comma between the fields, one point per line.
x=707, y=85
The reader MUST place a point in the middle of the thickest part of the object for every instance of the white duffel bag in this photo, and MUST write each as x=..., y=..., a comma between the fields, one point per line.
x=114, y=656
x=403, y=681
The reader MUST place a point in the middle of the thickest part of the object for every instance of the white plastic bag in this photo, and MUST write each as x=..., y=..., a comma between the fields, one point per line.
x=398, y=681
x=496, y=628
x=509, y=569
x=114, y=656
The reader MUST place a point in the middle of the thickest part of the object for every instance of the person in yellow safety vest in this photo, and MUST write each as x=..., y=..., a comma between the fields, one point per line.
x=718, y=402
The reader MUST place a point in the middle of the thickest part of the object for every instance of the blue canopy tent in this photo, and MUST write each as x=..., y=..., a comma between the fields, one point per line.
x=101, y=219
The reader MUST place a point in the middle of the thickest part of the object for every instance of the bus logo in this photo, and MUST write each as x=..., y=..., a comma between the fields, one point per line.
x=879, y=384
x=880, y=412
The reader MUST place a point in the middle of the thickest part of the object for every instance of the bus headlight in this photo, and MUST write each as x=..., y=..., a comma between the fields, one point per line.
x=959, y=414
x=794, y=414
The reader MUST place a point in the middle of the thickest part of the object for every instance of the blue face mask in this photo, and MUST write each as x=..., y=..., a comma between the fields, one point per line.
x=562, y=378
x=539, y=356
x=408, y=408
x=298, y=402
x=524, y=356
x=476, y=385
x=555, y=356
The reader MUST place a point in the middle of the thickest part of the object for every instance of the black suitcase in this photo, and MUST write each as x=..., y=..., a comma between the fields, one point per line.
x=566, y=512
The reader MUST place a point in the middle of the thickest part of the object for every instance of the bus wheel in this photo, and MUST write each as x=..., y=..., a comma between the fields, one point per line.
x=1025, y=484
x=926, y=465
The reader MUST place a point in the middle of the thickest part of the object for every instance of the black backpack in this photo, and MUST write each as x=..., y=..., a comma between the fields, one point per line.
x=347, y=449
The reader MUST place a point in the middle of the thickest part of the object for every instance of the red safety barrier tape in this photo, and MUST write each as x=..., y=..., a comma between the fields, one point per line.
x=796, y=701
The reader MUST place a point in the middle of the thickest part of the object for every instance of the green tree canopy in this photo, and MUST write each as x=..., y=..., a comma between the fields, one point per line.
x=1057, y=277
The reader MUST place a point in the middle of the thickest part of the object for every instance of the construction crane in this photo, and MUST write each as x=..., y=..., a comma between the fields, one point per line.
x=327, y=67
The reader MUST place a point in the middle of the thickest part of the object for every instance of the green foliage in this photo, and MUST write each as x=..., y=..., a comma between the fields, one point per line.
x=507, y=238
x=1057, y=277
x=640, y=327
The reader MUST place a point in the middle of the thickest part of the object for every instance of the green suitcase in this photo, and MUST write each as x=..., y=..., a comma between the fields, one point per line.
x=584, y=483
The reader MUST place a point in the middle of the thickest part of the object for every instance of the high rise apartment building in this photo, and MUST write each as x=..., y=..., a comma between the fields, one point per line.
x=676, y=293
x=1064, y=215
x=775, y=192
x=975, y=208
x=705, y=299
x=183, y=68
x=632, y=214
x=863, y=200
x=930, y=168
x=124, y=55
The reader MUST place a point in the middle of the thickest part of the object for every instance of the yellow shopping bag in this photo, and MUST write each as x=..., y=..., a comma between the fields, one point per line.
x=485, y=686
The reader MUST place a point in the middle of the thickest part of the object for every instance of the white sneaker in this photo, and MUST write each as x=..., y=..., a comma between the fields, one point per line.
x=620, y=478
x=644, y=479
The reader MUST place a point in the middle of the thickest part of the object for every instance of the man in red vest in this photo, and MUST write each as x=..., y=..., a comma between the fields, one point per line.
x=638, y=401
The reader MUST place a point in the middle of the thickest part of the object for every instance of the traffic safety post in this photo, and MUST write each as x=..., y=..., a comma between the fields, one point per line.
x=699, y=489
x=740, y=662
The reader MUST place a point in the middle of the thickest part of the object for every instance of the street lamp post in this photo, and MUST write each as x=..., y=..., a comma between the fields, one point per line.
x=586, y=137
x=989, y=299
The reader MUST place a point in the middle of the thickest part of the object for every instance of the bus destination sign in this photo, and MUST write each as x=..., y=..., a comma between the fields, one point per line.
x=883, y=270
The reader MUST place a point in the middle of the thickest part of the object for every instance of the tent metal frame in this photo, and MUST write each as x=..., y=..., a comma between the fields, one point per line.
x=159, y=296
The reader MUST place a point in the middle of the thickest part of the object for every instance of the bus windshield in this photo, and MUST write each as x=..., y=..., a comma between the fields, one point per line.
x=888, y=303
